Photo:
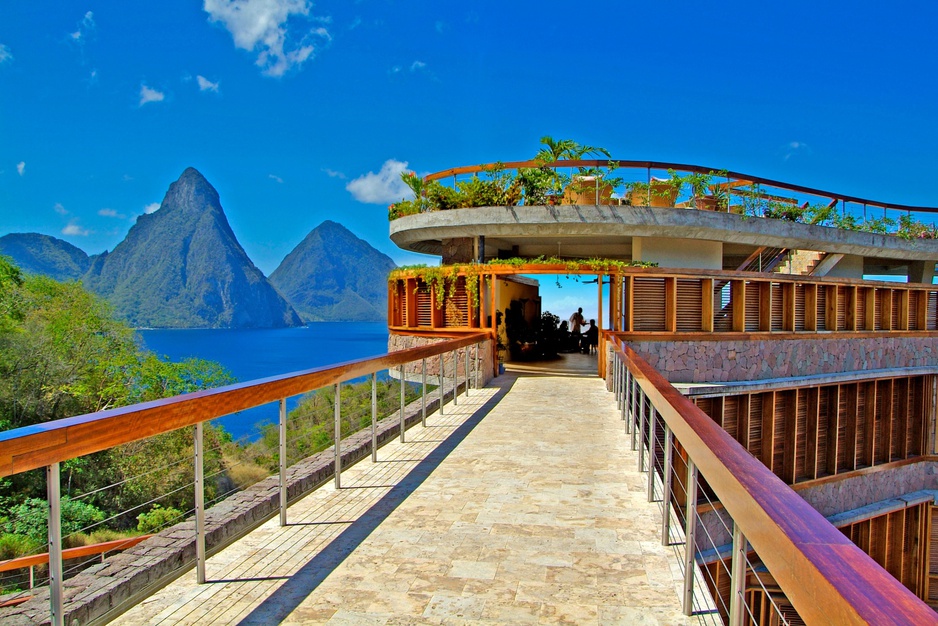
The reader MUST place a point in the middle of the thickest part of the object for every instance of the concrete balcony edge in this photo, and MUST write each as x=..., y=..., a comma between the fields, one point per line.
x=423, y=232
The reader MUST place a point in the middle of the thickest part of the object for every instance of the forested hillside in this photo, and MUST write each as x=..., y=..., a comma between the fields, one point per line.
x=63, y=353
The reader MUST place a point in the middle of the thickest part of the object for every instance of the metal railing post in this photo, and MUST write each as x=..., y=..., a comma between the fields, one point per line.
x=423, y=393
x=666, y=484
x=402, y=404
x=455, y=377
x=636, y=392
x=652, y=451
x=338, y=436
x=738, y=577
x=616, y=364
x=627, y=398
x=199, y=504
x=467, y=371
x=442, y=390
x=641, y=432
x=283, y=461
x=54, y=497
x=690, y=542
x=478, y=377
x=374, y=417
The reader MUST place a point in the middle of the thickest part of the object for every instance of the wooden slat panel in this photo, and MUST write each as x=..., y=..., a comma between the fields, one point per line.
x=777, y=322
x=868, y=457
x=649, y=304
x=850, y=393
x=424, y=303
x=690, y=309
x=768, y=429
x=811, y=307
x=791, y=441
x=888, y=391
x=755, y=425
x=901, y=411
x=902, y=310
x=918, y=310
x=670, y=304
x=834, y=447
x=932, y=311
x=811, y=408
x=799, y=304
x=753, y=306
x=882, y=309
x=894, y=309
x=851, y=315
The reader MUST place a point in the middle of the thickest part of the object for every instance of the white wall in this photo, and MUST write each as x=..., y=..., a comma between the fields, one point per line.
x=690, y=253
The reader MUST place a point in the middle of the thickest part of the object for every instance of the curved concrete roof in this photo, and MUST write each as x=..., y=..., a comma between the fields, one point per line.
x=423, y=232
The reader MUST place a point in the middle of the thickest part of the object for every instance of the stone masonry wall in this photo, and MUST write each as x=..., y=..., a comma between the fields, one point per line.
x=413, y=370
x=725, y=361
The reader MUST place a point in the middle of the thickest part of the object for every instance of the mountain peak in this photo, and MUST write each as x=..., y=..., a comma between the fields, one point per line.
x=182, y=266
x=332, y=275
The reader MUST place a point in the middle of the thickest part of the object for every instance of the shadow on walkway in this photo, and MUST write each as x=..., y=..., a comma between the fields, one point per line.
x=291, y=594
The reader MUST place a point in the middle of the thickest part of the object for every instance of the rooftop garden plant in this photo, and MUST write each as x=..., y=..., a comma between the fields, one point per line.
x=547, y=183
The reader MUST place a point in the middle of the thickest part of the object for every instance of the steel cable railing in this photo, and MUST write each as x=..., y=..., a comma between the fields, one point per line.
x=25, y=449
x=799, y=553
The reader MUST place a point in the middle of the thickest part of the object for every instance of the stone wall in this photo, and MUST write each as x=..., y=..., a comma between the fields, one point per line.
x=413, y=371
x=106, y=590
x=722, y=360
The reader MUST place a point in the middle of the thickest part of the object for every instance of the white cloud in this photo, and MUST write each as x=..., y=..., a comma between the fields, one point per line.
x=333, y=173
x=21, y=168
x=264, y=26
x=150, y=95
x=86, y=27
x=74, y=228
x=794, y=147
x=207, y=85
x=151, y=208
x=60, y=209
x=5, y=54
x=383, y=187
x=275, y=178
x=417, y=66
x=111, y=213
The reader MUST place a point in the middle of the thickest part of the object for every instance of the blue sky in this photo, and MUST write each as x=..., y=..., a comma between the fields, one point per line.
x=287, y=106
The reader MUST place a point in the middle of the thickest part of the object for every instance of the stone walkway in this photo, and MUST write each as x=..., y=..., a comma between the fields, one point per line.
x=519, y=505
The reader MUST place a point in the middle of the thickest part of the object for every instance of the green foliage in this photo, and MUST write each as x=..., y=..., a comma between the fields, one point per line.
x=30, y=518
x=158, y=518
x=311, y=425
x=14, y=546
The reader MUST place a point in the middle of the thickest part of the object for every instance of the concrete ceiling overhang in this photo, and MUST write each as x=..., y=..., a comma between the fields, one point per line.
x=573, y=223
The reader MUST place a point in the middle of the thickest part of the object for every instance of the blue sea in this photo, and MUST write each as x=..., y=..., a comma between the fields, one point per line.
x=257, y=353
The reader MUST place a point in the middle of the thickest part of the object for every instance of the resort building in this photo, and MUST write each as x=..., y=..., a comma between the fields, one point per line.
x=803, y=322
x=753, y=440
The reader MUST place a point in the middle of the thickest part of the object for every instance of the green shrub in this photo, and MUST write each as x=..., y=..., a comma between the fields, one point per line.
x=30, y=518
x=158, y=518
x=15, y=546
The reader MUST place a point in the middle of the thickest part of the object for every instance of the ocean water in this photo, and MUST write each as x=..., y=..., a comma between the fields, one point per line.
x=250, y=354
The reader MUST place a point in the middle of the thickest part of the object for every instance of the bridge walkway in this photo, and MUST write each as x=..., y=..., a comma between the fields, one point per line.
x=519, y=505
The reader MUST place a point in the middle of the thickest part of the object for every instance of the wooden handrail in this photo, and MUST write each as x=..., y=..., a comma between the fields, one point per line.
x=684, y=167
x=72, y=553
x=827, y=578
x=36, y=446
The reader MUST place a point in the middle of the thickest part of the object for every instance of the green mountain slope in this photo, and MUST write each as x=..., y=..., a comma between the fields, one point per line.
x=182, y=267
x=332, y=275
x=41, y=254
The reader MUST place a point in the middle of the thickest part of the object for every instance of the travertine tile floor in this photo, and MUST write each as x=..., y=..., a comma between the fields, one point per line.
x=519, y=505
